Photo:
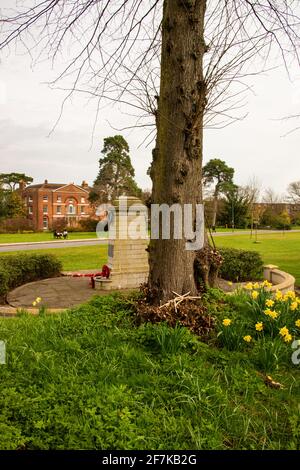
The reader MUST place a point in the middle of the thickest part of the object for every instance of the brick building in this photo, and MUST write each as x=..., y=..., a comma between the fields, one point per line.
x=50, y=205
x=277, y=208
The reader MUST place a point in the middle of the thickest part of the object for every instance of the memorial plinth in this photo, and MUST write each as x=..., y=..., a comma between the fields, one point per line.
x=127, y=245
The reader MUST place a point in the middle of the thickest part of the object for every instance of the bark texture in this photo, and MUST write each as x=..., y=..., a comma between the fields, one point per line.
x=177, y=157
x=215, y=210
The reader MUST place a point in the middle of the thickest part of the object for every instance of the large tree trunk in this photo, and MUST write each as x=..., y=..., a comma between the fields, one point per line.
x=215, y=210
x=177, y=158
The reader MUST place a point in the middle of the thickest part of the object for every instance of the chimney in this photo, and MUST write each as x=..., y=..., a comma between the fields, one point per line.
x=84, y=185
x=46, y=182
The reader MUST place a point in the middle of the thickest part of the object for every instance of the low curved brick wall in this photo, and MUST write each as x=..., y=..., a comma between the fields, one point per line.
x=281, y=280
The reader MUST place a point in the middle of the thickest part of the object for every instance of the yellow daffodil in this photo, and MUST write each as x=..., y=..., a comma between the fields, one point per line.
x=269, y=303
x=254, y=295
x=294, y=306
x=291, y=294
x=34, y=303
x=267, y=284
x=283, y=331
x=297, y=323
x=259, y=326
x=38, y=299
x=229, y=283
x=247, y=338
x=256, y=285
x=278, y=295
x=287, y=338
x=271, y=313
x=226, y=322
x=249, y=286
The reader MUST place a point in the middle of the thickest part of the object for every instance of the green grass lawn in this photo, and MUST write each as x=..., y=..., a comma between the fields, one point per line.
x=223, y=229
x=41, y=237
x=280, y=249
x=73, y=259
x=90, y=379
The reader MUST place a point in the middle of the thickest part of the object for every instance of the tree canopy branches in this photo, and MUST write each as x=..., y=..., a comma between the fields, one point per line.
x=112, y=49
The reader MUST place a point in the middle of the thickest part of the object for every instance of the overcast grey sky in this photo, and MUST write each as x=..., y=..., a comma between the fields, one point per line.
x=29, y=109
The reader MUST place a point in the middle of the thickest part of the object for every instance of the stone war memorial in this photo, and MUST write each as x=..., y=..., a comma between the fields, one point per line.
x=127, y=245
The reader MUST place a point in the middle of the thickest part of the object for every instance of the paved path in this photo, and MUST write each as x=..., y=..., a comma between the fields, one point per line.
x=4, y=247
x=59, y=292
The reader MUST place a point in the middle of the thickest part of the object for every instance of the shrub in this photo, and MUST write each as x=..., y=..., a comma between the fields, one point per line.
x=16, y=225
x=60, y=224
x=89, y=225
x=4, y=276
x=16, y=270
x=241, y=265
x=281, y=222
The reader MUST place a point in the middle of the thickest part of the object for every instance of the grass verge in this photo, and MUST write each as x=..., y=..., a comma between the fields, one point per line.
x=90, y=379
x=73, y=259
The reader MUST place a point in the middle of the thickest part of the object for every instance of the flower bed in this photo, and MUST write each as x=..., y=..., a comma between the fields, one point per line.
x=279, y=280
x=269, y=323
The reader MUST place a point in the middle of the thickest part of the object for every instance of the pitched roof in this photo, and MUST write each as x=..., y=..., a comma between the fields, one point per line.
x=45, y=185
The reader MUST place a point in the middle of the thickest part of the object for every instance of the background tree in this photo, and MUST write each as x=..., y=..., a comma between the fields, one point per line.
x=218, y=174
x=294, y=192
x=252, y=190
x=271, y=197
x=11, y=180
x=116, y=173
x=11, y=204
x=236, y=206
x=175, y=60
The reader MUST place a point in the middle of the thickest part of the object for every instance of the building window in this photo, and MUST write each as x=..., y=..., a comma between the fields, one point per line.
x=58, y=210
x=83, y=200
x=30, y=211
x=71, y=209
x=45, y=198
x=45, y=223
x=82, y=210
x=30, y=199
x=58, y=199
x=45, y=209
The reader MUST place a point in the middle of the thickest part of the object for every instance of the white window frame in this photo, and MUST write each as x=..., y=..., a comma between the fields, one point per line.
x=73, y=211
